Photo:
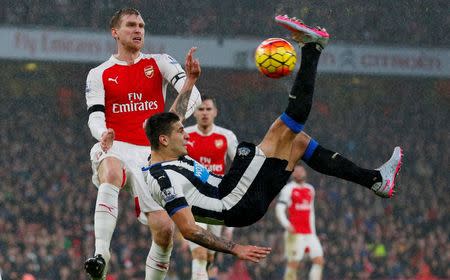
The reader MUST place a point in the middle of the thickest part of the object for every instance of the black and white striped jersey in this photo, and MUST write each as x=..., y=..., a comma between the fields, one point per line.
x=239, y=198
x=185, y=182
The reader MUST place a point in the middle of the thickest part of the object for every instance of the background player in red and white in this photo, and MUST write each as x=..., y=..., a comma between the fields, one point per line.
x=210, y=145
x=121, y=94
x=295, y=212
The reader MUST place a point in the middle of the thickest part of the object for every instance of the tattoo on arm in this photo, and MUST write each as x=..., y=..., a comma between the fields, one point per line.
x=210, y=241
x=182, y=103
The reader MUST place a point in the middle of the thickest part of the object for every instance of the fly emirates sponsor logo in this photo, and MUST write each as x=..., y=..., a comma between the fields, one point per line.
x=135, y=104
x=216, y=168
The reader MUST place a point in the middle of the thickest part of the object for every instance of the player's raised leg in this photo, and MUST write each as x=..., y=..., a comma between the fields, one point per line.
x=278, y=140
x=325, y=161
x=381, y=180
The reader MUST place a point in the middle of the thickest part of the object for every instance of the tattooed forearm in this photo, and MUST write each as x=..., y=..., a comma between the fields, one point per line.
x=181, y=105
x=210, y=241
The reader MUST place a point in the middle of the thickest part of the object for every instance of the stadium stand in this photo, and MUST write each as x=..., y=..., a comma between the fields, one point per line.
x=46, y=190
x=402, y=22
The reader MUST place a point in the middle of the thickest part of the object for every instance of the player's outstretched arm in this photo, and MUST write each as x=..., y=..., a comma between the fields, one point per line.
x=186, y=224
x=193, y=70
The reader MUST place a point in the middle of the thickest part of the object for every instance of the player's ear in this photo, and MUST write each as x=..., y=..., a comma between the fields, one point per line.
x=114, y=33
x=163, y=140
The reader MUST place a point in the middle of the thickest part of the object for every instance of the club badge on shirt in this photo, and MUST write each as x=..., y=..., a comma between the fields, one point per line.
x=148, y=71
x=243, y=151
x=218, y=143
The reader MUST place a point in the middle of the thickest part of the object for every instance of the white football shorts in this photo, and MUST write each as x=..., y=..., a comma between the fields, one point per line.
x=133, y=157
x=296, y=245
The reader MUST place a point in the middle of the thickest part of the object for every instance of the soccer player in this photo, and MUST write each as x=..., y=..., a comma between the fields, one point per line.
x=258, y=173
x=297, y=197
x=210, y=145
x=121, y=94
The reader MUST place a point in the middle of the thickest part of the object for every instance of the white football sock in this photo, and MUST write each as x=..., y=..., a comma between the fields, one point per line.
x=316, y=272
x=199, y=271
x=157, y=263
x=290, y=273
x=105, y=217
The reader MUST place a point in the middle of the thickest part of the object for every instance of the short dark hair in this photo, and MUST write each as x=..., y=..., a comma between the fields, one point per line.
x=209, y=97
x=117, y=17
x=159, y=124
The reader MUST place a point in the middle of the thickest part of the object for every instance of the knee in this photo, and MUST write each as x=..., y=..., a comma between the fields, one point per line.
x=293, y=264
x=319, y=261
x=163, y=237
x=112, y=177
x=302, y=140
x=111, y=172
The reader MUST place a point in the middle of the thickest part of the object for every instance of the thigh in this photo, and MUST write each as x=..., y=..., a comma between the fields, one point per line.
x=111, y=170
x=315, y=248
x=101, y=161
x=143, y=203
x=251, y=184
x=294, y=247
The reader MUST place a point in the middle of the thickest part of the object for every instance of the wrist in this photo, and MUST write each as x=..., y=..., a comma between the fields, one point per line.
x=190, y=82
x=234, y=249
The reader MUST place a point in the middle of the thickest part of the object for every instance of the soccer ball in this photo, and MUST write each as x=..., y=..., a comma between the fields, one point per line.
x=275, y=58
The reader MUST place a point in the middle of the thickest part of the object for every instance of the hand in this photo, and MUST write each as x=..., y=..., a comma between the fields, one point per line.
x=192, y=65
x=290, y=229
x=250, y=253
x=106, y=140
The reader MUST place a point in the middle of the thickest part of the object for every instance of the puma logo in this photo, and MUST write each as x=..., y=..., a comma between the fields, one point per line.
x=113, y=80
x=110, y=208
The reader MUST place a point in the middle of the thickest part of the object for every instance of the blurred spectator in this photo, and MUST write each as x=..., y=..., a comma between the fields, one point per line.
x=401, y=22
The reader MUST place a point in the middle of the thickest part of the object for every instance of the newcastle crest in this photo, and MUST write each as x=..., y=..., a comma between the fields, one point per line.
x=243, y=151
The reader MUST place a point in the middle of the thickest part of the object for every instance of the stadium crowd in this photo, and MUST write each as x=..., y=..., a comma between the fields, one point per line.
x=407, y=22
x=46, y=194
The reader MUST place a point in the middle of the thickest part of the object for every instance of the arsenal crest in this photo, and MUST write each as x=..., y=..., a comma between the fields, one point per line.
x=148, y=71
x=218, y=143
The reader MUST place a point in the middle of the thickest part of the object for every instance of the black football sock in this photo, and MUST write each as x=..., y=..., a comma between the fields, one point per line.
x=301, y=95
x=333, y=164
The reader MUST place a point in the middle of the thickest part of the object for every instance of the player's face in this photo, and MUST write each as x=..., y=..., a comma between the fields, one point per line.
x=206, y=113
x=130, y=34
x=178, y=139
x=299, y=174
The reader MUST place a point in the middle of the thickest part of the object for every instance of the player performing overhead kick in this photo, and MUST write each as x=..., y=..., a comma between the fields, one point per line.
x=258, y=173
